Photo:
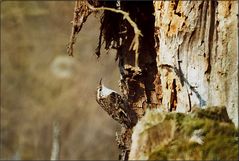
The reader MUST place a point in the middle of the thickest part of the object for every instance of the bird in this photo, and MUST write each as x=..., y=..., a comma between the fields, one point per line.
x=114, y=104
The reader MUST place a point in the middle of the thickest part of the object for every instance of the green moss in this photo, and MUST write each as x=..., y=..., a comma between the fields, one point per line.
x=219, y=135
x=213, y=113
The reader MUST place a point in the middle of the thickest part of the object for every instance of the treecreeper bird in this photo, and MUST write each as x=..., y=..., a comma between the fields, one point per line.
x=112, y=102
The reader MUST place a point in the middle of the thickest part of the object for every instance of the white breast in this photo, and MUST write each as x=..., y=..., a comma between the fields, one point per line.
x=106, y=91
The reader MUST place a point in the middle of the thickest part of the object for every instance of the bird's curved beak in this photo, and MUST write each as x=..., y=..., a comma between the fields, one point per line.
x=100, y=81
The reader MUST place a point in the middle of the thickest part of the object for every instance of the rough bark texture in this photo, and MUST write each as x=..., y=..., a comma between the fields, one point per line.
x=197, y=54
x=138, y=86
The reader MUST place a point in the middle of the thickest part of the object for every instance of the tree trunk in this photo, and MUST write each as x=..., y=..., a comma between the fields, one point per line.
x=197, y=54
x=193, y=61
x=138, y=87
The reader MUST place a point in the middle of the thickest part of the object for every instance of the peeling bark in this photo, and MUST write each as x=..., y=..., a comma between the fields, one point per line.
x=197, y=54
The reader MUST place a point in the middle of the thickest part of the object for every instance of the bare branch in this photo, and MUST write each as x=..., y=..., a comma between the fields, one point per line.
x=81, y=12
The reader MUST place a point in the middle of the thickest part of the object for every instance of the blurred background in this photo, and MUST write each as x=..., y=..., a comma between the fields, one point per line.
x=41, y=84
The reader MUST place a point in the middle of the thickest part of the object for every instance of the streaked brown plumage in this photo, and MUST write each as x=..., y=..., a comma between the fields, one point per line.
x=111, y=102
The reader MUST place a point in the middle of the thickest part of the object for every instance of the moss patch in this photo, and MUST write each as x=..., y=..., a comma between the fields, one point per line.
x=204, y=134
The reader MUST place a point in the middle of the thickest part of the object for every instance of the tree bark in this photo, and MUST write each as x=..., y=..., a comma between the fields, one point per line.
x=197, y=54
x=138, y=87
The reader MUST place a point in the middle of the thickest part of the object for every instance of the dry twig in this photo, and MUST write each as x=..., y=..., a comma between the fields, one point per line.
x=81, y=12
